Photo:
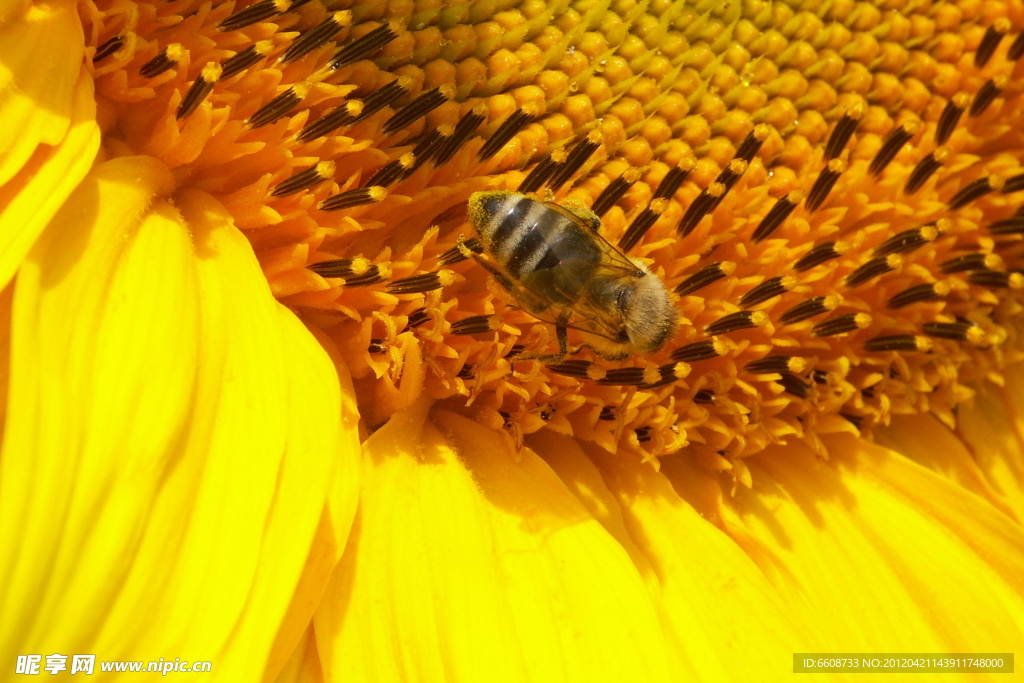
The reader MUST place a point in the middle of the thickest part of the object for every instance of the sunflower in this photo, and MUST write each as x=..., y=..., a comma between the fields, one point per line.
x=264, y=410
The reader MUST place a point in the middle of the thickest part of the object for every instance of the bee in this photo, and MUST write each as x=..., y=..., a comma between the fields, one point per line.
x=555, y=264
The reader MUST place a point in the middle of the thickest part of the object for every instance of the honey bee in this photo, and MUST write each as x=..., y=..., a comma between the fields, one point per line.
x=555, y=264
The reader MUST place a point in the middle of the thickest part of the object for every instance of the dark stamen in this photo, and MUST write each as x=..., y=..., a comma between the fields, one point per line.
x=872, y=269
x=424, y=282
x=164, y=60
x=455, y=255
x=825, y=182
x=950, y=117
x=614, y=191
x=241, y=61
x=704, y=397
x=539, y=175
x=777, y=215
x=975, y=261
x=958, y=331
x=841, y=324
x=908, y=240
x=575, y=160
x=891, y=146
x=200, y=88
x=1014, y=184
x=619, y=377
x=928, y=291
x=897, y=342
x=579, y=369
x=809, y=309
x=316, y=36
x=974, y=190
x=698, y=351
x=475, y=324
x=417, y=318
x=841, y=133
x=363, y=47
x=331, y=121
x=768, y=289
x=794, y=385
x=751, y=144
x=370, y=277
x=391, y=171
x=701, y=205
x=1008, y=226
x=642, y=223
x=1016, y=50
x=421, y=106
x=252, y=14
x=508, y=129
x=381, y=98
x=279, y=106
x=304, y=179
x=820, y=254
x=465, y=128
x=705, y=276
x=924, y=169
x=107, y=48
x=992, y=88
x=355, y=197
x=990, y=41
x=741, y=320
x=770, y=365
x=674, y=178
x=997, y=279
x=342, y=267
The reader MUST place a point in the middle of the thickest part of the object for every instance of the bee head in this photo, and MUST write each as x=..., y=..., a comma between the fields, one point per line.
x=648, y=313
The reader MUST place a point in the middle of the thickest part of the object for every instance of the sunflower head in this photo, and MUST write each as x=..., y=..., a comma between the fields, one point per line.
x=830, y=190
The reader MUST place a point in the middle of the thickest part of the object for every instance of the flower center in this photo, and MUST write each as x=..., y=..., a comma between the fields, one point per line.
x=831, y=190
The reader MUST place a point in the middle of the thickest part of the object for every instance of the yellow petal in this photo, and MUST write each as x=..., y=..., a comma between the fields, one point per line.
x=928, y=442
x=726, y=622
x=40, y=61
x=881, y=554
x=992, y=425
x=467, y=563
x=171, y=437
x=31, y=198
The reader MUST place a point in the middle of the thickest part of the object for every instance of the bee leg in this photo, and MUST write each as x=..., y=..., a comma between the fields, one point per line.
x=502, y=279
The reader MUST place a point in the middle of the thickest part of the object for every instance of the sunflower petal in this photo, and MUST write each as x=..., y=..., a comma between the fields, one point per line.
x=483, y=567
x=147, y=469
x=37, y=82
x=703, y=579
x=992, y=425
x=881, y=554
x=928, y=442
x=33, y=196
